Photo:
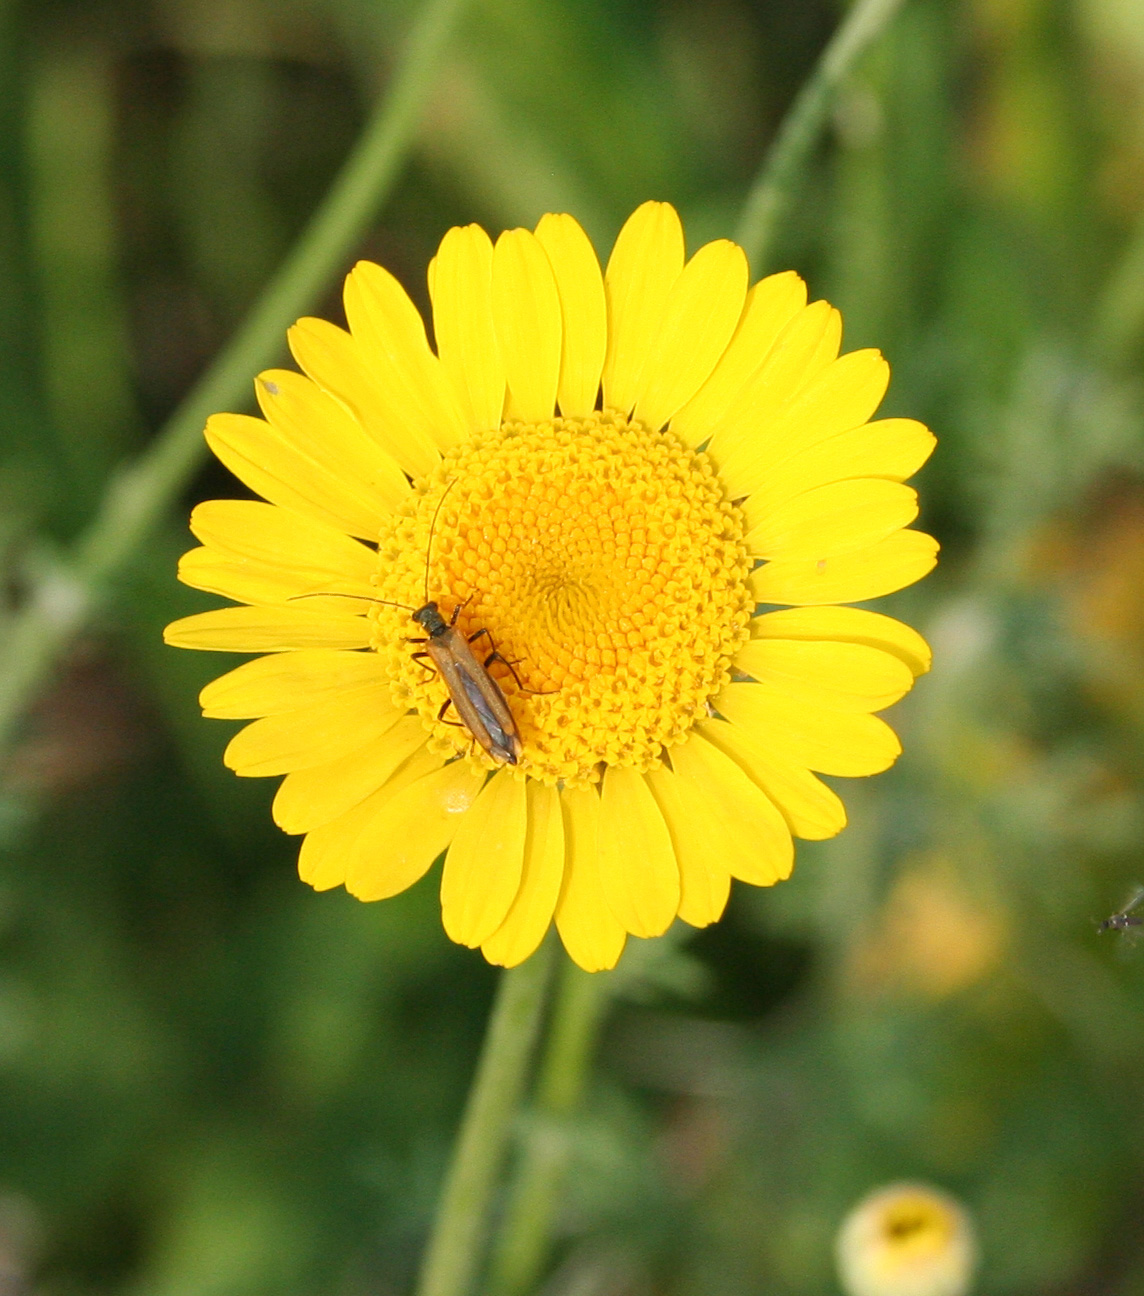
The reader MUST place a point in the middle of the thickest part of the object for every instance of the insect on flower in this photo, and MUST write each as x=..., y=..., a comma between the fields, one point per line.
x=1125, y=920
x=645, y=454
x=473, y=693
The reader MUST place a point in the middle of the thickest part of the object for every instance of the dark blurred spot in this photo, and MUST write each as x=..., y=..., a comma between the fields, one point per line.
x=752, y=972
x=87, y=728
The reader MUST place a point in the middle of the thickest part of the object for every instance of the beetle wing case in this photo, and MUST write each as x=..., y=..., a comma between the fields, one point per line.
x=475, y=694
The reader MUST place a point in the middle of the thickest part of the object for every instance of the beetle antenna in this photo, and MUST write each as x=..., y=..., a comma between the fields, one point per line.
x=365, y=598
x=432, y=528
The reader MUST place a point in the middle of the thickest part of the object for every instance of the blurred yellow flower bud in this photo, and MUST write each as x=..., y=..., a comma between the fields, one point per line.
x=906, y=1240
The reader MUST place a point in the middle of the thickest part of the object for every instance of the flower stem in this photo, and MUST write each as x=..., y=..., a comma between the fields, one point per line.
x=1119, y=318
x=456, y=1243
x=801, y=127
x=522, y=1248
x=135, y=499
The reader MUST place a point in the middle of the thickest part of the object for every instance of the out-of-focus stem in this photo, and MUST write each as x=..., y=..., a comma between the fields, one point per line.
x=522, y=1249
x=801, y=129
x=1119, y=321
x=137, y=497
x=456, y=1243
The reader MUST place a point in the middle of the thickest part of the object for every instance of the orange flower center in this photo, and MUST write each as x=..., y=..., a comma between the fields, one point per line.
x=604, y=563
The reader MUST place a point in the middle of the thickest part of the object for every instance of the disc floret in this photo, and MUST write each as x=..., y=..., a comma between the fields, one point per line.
x=604, y=562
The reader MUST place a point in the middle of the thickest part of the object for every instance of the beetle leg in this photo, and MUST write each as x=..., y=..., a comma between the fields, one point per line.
x=495, y=655
x=445, y=706
x=459, y=609
x=453, y=724
x=419, y=658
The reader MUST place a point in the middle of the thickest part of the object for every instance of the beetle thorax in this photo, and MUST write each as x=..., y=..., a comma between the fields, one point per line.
x=431, y=619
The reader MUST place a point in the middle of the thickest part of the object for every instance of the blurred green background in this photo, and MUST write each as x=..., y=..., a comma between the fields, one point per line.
x=214, y=1082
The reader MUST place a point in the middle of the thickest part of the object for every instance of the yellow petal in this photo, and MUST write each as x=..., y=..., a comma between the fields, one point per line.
x=461, y=288
x=583, y=310
x=326, y=851
x=746, y=429
x=835, y=397
x=262, y=630
x=258, y=584
x=789, y=367
x=309, y=798
x=645, y=263
x=637, y=863
x=531, y=913
x=312, y=735
x=335, y=475
x=810, y=808
x=526, y=317
x=882, y=568
x=287, y=681
x=700, y=316
x=700, y=844
x=828, y=346
x=337, y=363
x=770, y=306
x=834, y=519
x=330, y=441
x=846, y=676
x=263, y=554
x=279, y=537
x=849, y=625
x=761, y=850
x=592, y=935
x=893, y=449
x=391, y=337
x=484, y=865
x=396, y=845
x=850, y=744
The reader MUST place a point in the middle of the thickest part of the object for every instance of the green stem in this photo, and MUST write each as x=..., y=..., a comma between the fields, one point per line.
x=522, y=1249
x=456, y=1243
x=802, y=126
x=137, y=497
x=1119, y=319
x=519, y=1259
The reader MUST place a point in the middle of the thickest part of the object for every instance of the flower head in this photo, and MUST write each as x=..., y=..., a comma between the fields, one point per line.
x=906, y=1240
x=596, y=478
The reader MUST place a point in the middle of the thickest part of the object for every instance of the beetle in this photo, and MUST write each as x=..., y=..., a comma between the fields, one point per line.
x=473, y=693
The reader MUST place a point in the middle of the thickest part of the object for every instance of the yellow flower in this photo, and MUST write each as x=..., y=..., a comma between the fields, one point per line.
x=906, y=1240
x=611, y=550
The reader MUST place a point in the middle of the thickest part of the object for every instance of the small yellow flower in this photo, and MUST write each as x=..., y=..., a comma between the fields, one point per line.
x=931, y=937
x=616, y=470
x=906, y=1240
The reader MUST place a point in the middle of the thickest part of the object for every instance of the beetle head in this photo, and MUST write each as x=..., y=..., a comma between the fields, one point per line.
x=431, y=619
